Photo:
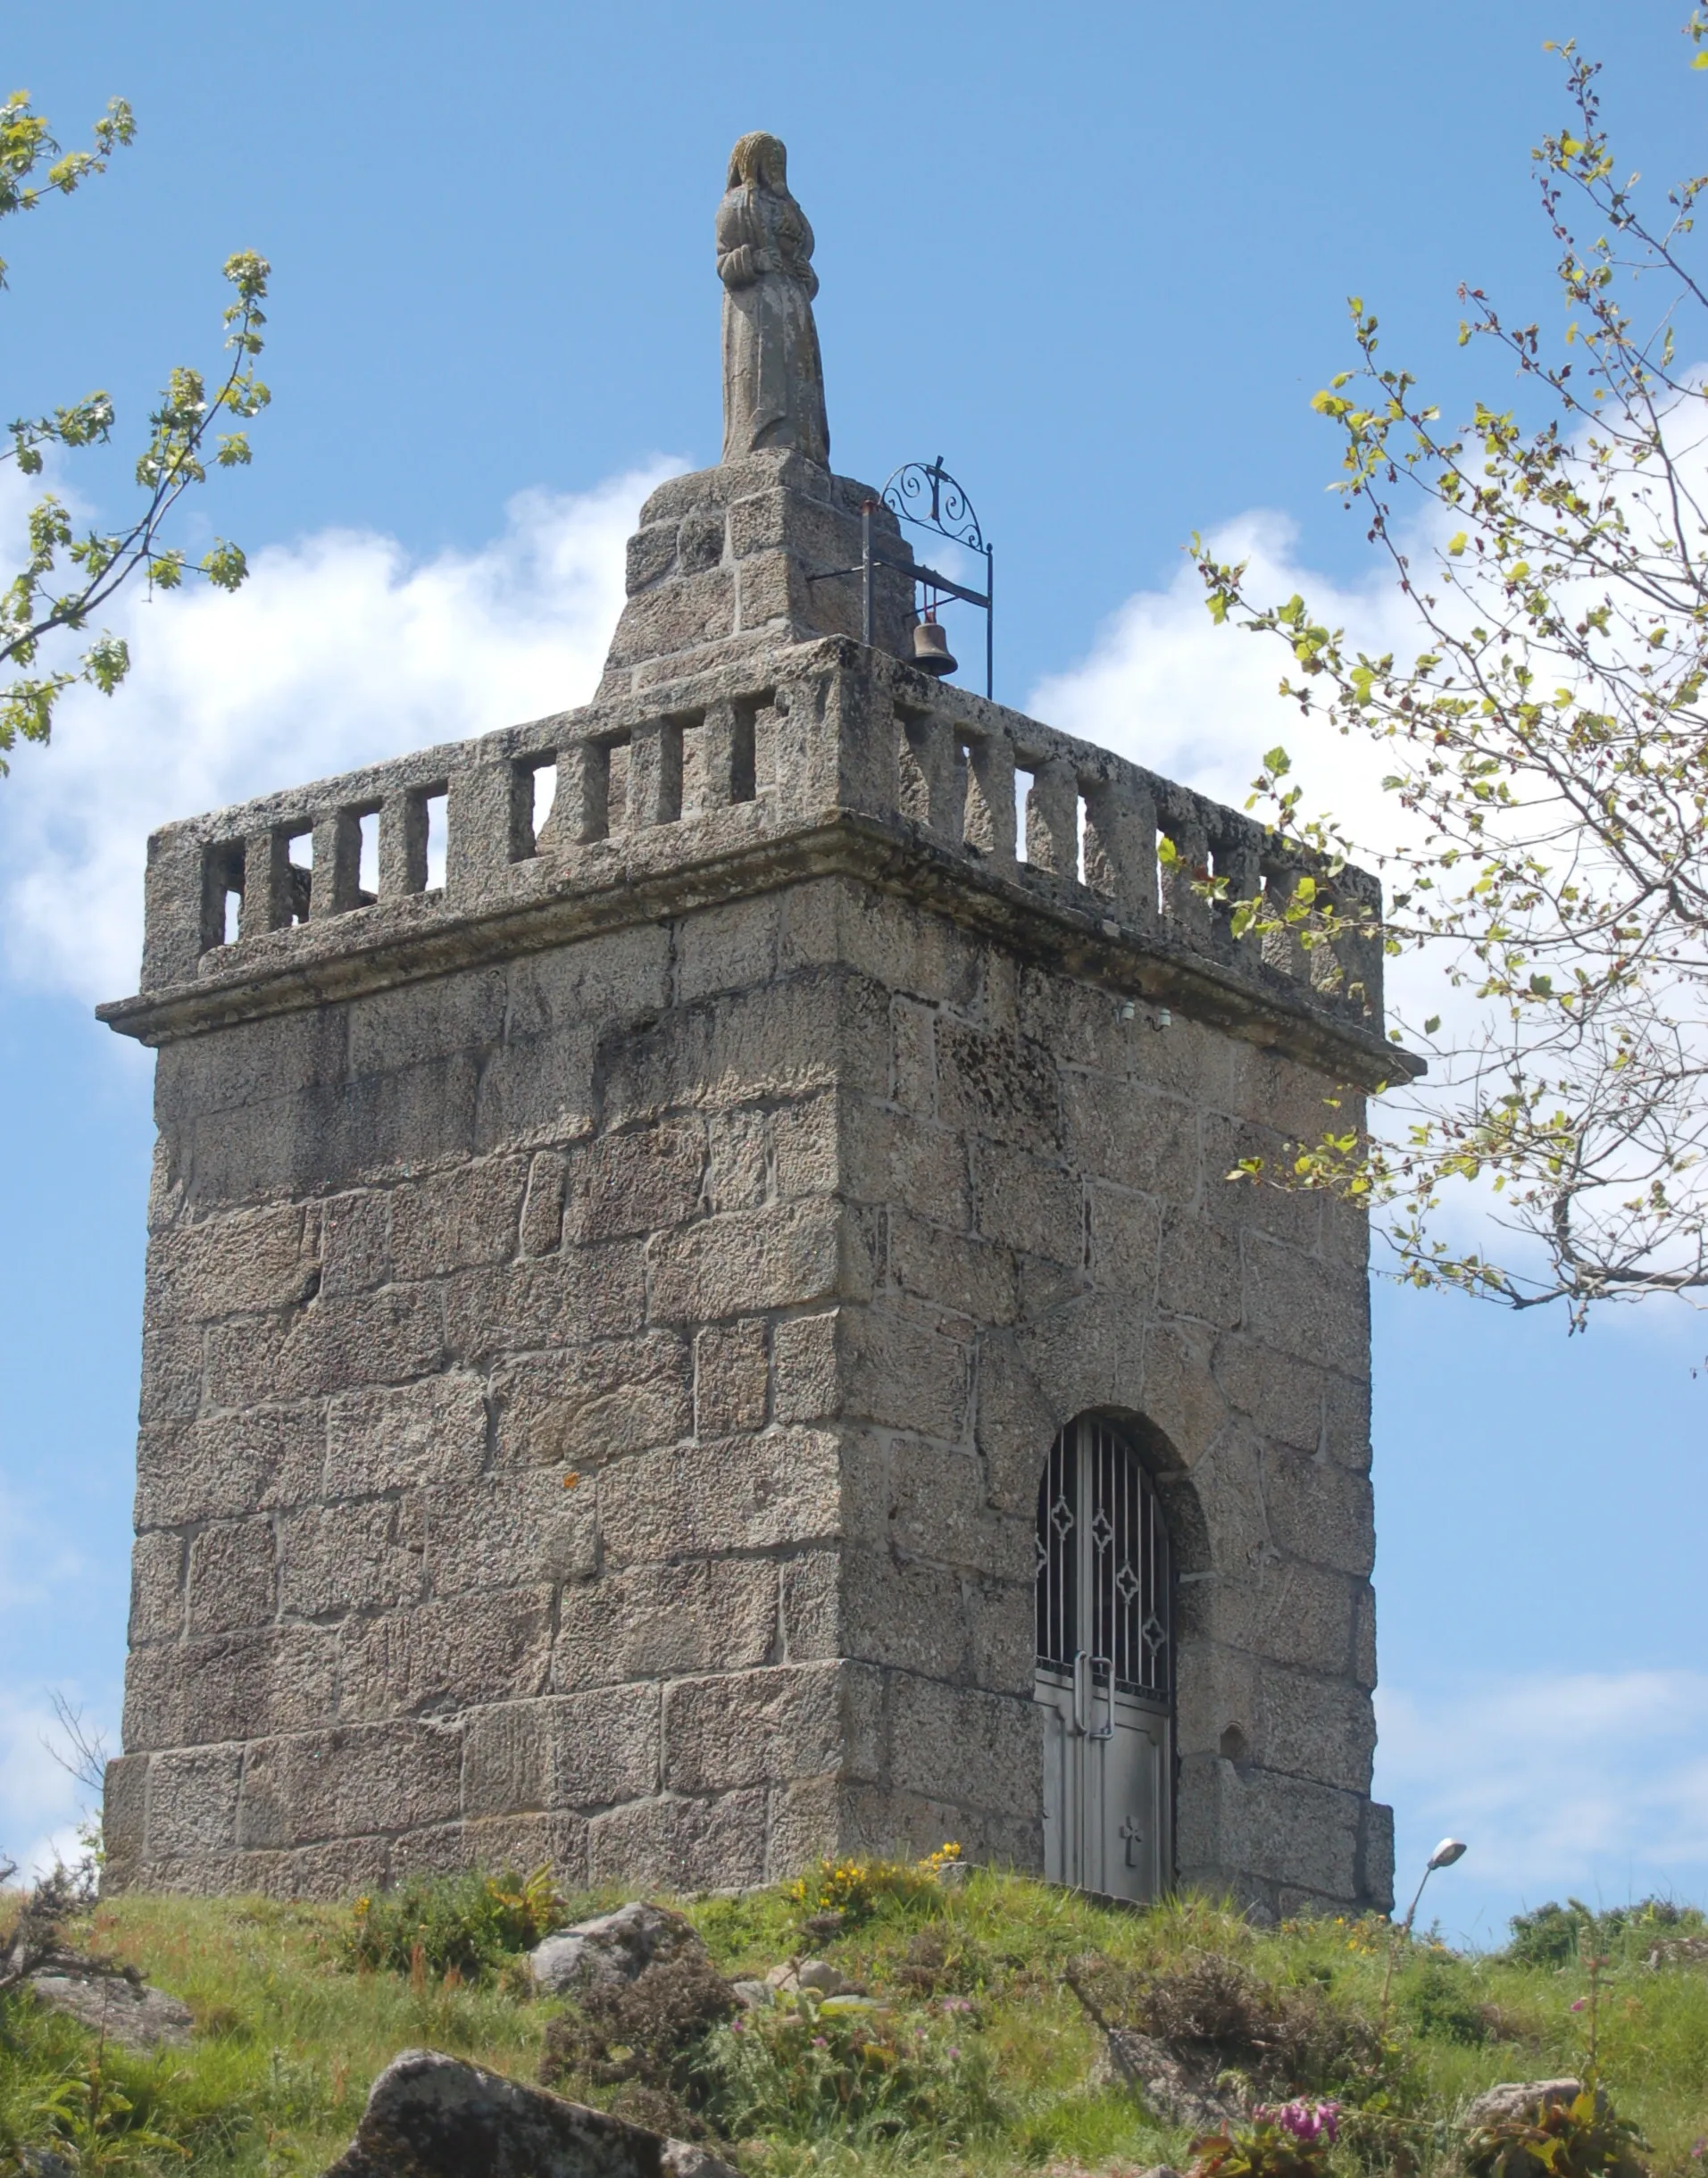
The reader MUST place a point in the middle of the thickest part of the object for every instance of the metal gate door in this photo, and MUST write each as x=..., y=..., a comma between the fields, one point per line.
x=1104, y=1668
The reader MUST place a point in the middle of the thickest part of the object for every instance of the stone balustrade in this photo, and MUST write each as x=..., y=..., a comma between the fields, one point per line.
x=587, y=804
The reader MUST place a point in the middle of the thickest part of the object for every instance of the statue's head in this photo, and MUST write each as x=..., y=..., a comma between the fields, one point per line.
x=759, y=162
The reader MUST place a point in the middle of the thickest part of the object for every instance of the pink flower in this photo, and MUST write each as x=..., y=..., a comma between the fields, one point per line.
x=1580, y=2004
x=1307, y=2122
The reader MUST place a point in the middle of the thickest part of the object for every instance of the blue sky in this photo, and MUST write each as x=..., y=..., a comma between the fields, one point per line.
x=1098, y=258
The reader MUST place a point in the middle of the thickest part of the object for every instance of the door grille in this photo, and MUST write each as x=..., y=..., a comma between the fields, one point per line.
x=1104, y=1583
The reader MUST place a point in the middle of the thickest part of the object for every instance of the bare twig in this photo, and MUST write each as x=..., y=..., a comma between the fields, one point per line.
x=87, y=1760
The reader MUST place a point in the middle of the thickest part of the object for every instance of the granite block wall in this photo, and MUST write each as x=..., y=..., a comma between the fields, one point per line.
x=595, y=1403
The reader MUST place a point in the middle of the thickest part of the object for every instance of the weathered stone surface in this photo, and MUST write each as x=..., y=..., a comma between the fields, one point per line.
x=872, y=1365
x=1175, y=2089
x=614, y=1947
x=233, y=1576
x=265, y=1459
x=467, y=1216
x=1150, y=1144
x=355, y=1242
x=1315, y=1310
x=433, y=2116
x=596, y=1402
x=253, y=1261
x=1513, y=2099
x=998, y=1087
x=1315, y=1727
x=195, y=1802
x=588, y=1752
x=635, y=1183
x=235, y=1686
x=967, y=1275
x=331, y=1344
x=731, y=1377
x=334, y=1784
x=337, y=1558
x=132, y=2014
x=750, y=1728
x=681, y=1844
x=722, y=1498
x=774, y=1257
x=441, y=1654
x=1321, y=1513
x=512, y=1527
x=960, y=1745
x=157, y=1588
x=428, y=1432
x=659, y=1622
x=585, y=1293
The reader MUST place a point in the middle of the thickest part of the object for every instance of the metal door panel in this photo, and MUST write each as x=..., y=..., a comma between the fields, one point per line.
x=1061, y=1796
x=1125, y=1806
x=1104, y=1669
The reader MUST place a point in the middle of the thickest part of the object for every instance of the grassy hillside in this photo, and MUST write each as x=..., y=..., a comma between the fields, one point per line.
x=980, y=2057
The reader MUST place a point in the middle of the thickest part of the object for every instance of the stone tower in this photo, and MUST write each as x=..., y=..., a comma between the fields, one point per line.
x=610, y=1304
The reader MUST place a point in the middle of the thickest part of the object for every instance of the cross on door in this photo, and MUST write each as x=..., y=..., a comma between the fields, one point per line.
x=1133, y=1832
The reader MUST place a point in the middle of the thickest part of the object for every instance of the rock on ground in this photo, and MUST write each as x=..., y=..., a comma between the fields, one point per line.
x=616, y=1946
x=126, y=2011
x=817, y=1973
x=434, y=2116
x=1174, y=2088
x=1520, y=2098
x=1681, y=1951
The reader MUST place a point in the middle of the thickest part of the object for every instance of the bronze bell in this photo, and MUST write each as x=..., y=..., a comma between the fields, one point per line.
x=931, y=652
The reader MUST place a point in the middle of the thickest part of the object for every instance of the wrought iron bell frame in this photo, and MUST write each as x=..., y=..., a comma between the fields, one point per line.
x=949, y=515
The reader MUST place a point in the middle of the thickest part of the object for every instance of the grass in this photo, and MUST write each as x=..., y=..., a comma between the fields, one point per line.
x=290, y=2033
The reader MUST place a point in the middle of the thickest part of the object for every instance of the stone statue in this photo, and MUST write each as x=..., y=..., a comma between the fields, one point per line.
x=773, y=377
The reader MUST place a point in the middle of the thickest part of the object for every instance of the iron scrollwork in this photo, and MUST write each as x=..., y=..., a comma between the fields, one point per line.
x=918, y=485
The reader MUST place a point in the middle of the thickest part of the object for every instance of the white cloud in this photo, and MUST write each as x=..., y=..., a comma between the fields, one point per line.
x=1165, y=686
x=337, y=651
x=1590, y=1783
x=41, y=1806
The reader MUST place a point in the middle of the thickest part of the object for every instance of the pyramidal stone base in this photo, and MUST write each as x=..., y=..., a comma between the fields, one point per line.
x=722, y=568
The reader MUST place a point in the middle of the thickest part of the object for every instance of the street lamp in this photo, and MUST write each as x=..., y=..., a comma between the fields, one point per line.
x=1444, y=1856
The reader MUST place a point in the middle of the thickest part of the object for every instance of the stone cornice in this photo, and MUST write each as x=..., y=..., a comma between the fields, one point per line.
x=646, y=878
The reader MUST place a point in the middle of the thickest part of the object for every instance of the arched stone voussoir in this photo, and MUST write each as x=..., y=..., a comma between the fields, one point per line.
x=1086, y=1356
x=1181, y=1394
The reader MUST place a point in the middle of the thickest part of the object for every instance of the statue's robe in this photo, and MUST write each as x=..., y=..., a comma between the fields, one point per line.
x=773, y=377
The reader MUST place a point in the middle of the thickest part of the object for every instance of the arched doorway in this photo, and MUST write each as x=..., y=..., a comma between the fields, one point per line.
x=1104, y=1671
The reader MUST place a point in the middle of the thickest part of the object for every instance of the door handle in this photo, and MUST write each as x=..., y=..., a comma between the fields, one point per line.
x=1108, y=1732
x=1080, y=1691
